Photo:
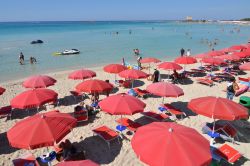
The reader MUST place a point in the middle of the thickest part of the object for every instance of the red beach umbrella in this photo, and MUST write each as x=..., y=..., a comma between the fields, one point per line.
x=245, y=66
x=2, y=90
x=213, y=61
x=215, y=53
x=40, y=130
x=243, y=54
x=81, y=74
x=122, y=104
x=149, y=60
x=169, y=66
x=33, y=98
x=200, y=56
x=230, y=57
x=165, y=89
x=94, y=86
x=132, y=74
x=170, y=144
x=225, y=50
x=185, y=60
x=39, y=81
x=114, y=68
x=237, y=47
x=78, y=163
x=218, y=108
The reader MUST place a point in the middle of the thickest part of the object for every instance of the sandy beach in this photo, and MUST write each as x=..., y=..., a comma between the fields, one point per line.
x=120, y=154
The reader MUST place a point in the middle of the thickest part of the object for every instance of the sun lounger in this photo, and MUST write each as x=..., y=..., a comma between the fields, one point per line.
x=142, y=93
x=175, y=112
x=125, y=84
x=77, y=94
x=227, y=132
x=5, y=112
x=81, y=115
x=226, y=153
x=25, y=160
x=131, y=125
x=156, y=116
x=244, y=79
x=205, y=81
x=106, y=134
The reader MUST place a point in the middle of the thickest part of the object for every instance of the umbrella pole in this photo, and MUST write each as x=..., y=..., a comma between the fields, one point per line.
x=212, y=141
x=132, y=84
x=163, y=100
x=149, y=68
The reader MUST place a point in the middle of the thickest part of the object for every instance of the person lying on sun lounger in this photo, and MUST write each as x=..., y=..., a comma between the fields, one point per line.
x=69, y=152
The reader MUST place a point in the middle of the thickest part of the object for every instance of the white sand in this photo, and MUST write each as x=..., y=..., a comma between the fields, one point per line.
x=96, y=149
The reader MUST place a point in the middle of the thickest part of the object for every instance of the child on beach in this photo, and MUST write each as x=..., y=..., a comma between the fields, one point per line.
x=188, y=52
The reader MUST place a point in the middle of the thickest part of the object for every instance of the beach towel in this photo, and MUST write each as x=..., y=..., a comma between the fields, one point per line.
x=242, y=89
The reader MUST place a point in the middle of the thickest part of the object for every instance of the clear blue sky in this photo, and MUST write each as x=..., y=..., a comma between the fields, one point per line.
x=50, y=10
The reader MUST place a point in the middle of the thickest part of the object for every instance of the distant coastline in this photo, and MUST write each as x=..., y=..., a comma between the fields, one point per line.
x=236, y=22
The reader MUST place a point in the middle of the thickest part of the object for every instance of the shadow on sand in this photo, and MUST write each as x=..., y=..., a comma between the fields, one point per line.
x=5, y=148
x=97, y=150
x=183, y=107
x=242, y=127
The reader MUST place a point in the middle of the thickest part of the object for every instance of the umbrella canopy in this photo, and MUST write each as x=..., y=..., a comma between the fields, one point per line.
x=225, y=50
x=165, y=89
x=237, y=47
x=114, y=68
x=215, y=53
x=201, y=56
x=33, y=98
x=213, y=61
x=39, y=81
x=94, y=86
x=150, y=60
x=78, y=163
x=122, y=104
x=218, y=108
x=170, y=144
x=185, y=60
x=245, y=66
x=133, y=74
x=243, y=54
x=2, y=90
x=81, y=74
x=40, y=130
x=230, y=57
x=169, y=66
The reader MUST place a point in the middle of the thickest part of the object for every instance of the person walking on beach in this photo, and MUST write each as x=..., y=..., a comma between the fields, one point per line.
x=232, y=86
x=188, y=52
x=156, y=76
x=139, y=62
x=182, y=51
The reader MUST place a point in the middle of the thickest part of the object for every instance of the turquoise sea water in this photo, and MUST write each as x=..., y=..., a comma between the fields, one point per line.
x=99, y=44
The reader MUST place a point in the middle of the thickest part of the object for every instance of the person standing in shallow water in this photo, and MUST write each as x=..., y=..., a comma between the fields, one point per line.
x=21, y=58
x=182, y=51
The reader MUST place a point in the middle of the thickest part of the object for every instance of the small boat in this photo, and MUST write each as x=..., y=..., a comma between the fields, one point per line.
x=67, y=52
x=72, y=51
x=36, y=42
